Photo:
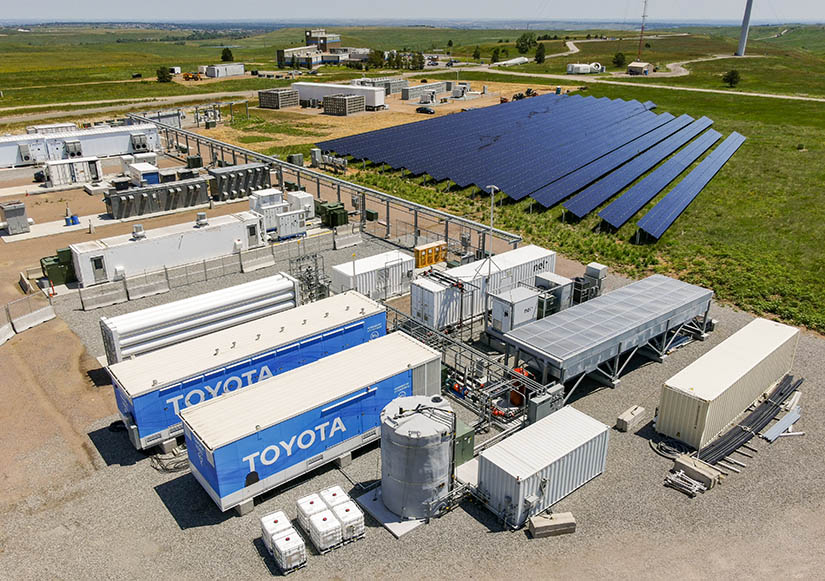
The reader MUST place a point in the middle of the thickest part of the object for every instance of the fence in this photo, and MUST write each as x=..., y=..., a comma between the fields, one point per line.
x=24, y=313
x=163, y=281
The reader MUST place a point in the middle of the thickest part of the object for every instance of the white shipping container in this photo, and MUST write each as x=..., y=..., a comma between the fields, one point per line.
x=533, y=469
x=702, y=400
x=225, y=70
x=51, y=128
x=513, y=308
x=380, y=276
x=74, y=171
x=373, y=96
x=438, y=305
x=109, y=259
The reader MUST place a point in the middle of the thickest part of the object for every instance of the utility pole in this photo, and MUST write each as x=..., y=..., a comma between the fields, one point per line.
x=642, y=33
x=746, y=24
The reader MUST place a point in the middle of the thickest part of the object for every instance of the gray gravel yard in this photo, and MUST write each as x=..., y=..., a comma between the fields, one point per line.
x=129, y=521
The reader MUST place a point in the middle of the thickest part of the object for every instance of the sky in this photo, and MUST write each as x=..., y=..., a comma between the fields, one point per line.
x=765, y=11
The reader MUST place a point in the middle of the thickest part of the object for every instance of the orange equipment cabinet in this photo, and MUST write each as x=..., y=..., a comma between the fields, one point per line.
x=429, y=254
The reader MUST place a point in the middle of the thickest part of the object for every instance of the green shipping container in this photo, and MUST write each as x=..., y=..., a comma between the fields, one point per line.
x=465, y=439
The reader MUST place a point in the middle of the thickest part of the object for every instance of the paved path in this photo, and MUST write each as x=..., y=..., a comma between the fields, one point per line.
x=592, y=80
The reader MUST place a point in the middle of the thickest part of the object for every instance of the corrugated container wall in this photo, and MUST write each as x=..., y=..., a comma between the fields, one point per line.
x=379, y=277
x=438, y=305
x=702, y=400
x=533, y=469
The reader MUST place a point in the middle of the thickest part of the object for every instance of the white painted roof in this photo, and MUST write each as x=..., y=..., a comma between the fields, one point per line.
x=73, y=135
x=517, y=294
x=543, y=443
x=155, y=233
x=500, y=262
x=143, y=167
x=190, y=358
x=375, y=262
x=715, y=371
x=220, y=421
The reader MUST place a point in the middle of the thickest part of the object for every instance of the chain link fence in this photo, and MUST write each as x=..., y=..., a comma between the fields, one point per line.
x=28, y=312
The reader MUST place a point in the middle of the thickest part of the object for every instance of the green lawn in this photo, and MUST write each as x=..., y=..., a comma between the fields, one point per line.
x=753, y=234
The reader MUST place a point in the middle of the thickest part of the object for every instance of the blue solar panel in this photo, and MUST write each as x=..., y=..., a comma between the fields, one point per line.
x=634, y=199
x=553, y=193
x=663, y=214
x=522, y=147
x=649, y=105
x=599, y=192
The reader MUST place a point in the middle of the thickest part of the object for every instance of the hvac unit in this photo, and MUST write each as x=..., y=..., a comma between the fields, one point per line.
x=25, y=152
x=139, y=142
x=74, y=149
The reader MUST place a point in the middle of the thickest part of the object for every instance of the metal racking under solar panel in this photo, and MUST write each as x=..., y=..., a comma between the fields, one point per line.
x=599, y=192
x=634, y=199
x=600, y=336
x=662, y=215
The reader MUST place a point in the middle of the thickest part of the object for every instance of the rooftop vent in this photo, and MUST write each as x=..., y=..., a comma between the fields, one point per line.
x=138, y=232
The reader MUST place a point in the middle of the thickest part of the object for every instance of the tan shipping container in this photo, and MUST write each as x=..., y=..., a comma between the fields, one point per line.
x=702, y=400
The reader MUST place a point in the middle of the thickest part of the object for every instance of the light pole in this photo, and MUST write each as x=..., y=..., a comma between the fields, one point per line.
x=492, y=189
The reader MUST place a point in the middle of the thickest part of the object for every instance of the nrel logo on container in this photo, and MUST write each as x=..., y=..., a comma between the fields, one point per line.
x=304, y=440
x=231, y=383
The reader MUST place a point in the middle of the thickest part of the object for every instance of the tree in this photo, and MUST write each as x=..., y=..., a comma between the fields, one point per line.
x=540, y=53
x=226, y=55
x=525, y=42
x=477, y=53
x=496, y=56
x=619, y=60
x=164, y=76
x=732, y=78
x=375, y=59
x=418, y=61
x=450, y=42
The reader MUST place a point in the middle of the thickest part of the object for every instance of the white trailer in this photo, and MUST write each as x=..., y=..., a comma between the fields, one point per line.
x=114, y=258
x=73, y=171
x=379, y=277
x=701, y=401
x=31, y=149
x=147, y=330
x=440, y=304
x=373, y=96
x=225, y=70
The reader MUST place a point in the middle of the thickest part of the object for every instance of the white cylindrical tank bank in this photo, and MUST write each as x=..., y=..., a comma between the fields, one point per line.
x=702, y=400
x=416, y=454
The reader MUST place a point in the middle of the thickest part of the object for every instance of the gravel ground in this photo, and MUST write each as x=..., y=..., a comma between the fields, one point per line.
x=127, y=520
x=86, y=323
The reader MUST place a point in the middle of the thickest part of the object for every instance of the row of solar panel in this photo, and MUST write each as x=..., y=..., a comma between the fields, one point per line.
x=663, y=214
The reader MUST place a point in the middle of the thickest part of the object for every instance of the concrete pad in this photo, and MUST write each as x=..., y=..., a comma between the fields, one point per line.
x=467, y=473
x=551, y=525
x=373, y=504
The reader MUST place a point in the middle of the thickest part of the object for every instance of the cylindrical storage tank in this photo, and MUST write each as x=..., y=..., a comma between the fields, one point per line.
x=416, y=454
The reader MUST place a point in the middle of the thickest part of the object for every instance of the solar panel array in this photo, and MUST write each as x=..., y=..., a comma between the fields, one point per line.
x=663, y=214
x=548, y=148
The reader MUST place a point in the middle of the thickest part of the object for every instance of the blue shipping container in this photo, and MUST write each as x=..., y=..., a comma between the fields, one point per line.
x=251, y=441
x=151, y=389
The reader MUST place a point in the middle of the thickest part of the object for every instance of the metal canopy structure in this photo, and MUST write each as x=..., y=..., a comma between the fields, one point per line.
x=600, y=336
